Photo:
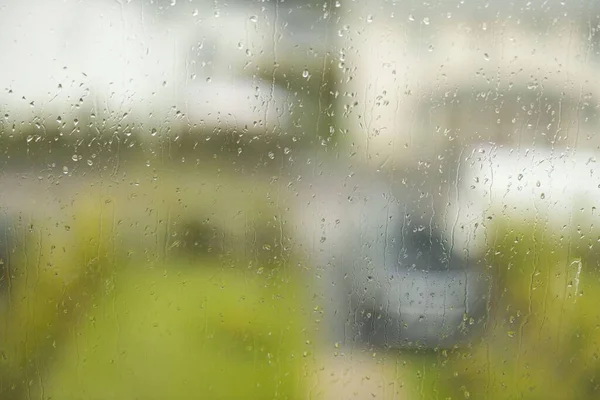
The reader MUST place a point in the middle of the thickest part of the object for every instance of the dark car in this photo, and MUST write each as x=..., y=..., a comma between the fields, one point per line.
x=386, y=273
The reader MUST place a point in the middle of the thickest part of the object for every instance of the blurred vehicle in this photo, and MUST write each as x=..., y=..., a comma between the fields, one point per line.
x=386, y=276
x=403, y=258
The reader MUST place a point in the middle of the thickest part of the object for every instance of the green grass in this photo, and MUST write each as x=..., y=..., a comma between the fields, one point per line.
x=185, y=333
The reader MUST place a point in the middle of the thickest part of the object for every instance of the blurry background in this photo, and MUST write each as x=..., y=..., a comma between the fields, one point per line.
x=299, y=199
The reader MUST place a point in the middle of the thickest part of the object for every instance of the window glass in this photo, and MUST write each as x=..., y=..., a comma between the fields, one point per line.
x=299, y=199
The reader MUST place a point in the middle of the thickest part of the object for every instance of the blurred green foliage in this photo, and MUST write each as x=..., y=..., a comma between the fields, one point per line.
x=115, y=296
x=179, y=283
x=542, y=335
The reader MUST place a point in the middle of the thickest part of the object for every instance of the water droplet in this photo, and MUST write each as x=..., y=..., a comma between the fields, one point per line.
x=253, y=18
x=520, y=177
x=426, y=20
x=74, y=157
x=65, y=170
x=173, y=3
x=271, y=155
x=153, y=132
x=337, y=4
x=486, y=56
x=90, y=162
x=369, y=18
x=305, y=73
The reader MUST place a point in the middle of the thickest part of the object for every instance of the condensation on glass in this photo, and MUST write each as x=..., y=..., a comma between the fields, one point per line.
x=299, y=199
